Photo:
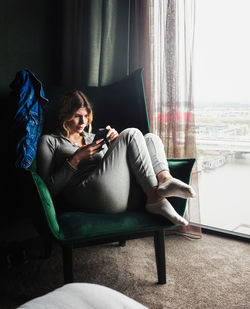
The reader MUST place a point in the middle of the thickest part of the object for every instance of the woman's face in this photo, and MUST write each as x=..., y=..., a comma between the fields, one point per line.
x=79, y=121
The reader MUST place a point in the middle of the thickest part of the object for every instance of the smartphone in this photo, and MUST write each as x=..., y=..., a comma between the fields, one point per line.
x=102, y=134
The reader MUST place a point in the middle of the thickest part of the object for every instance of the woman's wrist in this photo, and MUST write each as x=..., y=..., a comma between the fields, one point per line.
x=74, y=161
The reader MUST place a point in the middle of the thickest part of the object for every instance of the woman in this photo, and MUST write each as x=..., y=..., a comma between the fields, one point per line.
x=95, y=178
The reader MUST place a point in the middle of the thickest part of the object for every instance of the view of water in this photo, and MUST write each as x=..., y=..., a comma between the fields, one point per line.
x=222, y=115
x=225, y=196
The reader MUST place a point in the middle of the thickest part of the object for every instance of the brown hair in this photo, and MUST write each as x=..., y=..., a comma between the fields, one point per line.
x=70, y=103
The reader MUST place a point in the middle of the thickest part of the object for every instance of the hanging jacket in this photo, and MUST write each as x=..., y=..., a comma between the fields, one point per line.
x=28, y=120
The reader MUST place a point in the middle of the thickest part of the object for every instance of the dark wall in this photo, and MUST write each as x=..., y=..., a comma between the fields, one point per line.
x=30, y=34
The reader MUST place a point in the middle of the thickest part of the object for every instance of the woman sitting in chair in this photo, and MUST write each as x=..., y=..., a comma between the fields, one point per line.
x=94, y=177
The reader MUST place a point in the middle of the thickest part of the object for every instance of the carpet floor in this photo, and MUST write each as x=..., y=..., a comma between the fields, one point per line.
x=211, y=272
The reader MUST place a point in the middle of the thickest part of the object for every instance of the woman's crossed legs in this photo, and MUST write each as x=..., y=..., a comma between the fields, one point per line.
x=144, y=156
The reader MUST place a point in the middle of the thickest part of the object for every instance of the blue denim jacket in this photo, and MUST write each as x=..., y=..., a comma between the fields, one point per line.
x=28, y=120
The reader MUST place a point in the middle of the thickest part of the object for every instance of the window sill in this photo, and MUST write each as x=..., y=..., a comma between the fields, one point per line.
x=225, y=233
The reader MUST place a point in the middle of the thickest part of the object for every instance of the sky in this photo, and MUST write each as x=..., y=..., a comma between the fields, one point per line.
x=222, y=51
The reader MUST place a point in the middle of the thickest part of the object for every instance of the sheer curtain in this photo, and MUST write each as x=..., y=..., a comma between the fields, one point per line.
x=171, y=33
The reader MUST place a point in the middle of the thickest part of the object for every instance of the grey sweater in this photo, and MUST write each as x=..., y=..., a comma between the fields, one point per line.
x=53, y=166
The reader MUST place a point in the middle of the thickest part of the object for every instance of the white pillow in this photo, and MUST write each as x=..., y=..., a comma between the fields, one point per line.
x=83, y=296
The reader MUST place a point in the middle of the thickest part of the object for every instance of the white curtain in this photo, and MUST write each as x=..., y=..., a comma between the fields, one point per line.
x=172, y=29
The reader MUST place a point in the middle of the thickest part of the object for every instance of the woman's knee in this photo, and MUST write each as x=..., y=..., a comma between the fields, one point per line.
x=152, y=136
x=131, y=132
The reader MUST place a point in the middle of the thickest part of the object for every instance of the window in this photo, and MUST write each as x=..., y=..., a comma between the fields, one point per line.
x=222, y=113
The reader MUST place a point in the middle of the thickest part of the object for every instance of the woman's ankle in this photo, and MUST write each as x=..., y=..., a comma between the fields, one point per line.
x=153, y=196
x=163, y=177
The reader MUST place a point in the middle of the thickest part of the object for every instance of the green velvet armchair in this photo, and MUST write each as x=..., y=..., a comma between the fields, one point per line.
x=121, y=105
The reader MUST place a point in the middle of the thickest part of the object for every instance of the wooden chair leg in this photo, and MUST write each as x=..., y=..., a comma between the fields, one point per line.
x=159, y=242
x=67, y=263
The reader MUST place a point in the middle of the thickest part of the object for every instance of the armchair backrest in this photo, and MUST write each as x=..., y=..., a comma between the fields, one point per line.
x=121, y=104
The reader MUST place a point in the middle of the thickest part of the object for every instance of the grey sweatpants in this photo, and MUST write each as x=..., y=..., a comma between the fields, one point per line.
x=126, y=172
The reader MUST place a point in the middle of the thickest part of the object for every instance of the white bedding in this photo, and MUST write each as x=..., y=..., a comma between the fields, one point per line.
x=83, y=295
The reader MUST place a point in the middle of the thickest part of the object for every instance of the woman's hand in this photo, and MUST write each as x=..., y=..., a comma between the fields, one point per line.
x=112, y=134
x=86, y=152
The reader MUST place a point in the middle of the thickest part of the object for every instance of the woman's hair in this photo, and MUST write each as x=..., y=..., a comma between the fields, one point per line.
x=70, y=103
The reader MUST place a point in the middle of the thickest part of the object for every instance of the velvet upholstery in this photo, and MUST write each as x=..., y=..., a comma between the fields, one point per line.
x=122, y=104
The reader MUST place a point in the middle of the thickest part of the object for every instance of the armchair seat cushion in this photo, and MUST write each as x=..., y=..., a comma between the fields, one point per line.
x=75, y=226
